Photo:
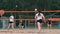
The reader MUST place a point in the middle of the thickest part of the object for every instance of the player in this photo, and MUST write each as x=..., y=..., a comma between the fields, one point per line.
x=39, y=17
x=49, y=23
x=21, y=25
x=11, y=22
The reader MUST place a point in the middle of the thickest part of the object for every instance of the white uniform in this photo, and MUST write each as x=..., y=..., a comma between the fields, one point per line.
x=11, y=18
x=39, y=17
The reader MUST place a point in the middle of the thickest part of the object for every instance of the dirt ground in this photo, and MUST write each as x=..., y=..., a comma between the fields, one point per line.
x=29, y=31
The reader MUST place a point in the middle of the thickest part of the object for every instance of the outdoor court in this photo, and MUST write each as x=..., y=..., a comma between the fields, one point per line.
x=30, y=31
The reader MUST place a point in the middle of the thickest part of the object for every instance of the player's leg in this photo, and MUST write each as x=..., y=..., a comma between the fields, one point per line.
x=13, y=26
x=39, y=26
x=9, y=25
x=50, y=26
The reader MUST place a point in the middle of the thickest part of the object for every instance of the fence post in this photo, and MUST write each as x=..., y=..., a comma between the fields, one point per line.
x=59, y=24
x=25, y=24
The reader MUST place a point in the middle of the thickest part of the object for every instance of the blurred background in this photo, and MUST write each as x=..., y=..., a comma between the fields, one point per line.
x=24, y=10
x=29, y=4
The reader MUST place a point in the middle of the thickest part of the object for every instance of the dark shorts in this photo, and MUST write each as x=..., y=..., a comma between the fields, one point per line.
x=10, y=22
x=39, y=20
x=49, y=23
x=22, y=24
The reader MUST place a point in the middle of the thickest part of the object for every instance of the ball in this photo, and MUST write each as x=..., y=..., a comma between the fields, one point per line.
x=35, y=9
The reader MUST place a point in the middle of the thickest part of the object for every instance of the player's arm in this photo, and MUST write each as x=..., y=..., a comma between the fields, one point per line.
x=13, y=18
x=51, y=21
x=43, y=18
x=35, y=18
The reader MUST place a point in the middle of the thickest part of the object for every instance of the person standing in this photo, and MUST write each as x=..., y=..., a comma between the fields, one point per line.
x=39, y=17
x=21, y=25
x=11, y=22
x=49, y=23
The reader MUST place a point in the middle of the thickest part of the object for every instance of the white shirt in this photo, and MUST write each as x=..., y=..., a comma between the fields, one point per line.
x=39, y=17
x=11, y=18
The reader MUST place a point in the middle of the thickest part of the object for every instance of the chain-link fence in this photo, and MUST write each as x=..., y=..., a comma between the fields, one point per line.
x=27, y=18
